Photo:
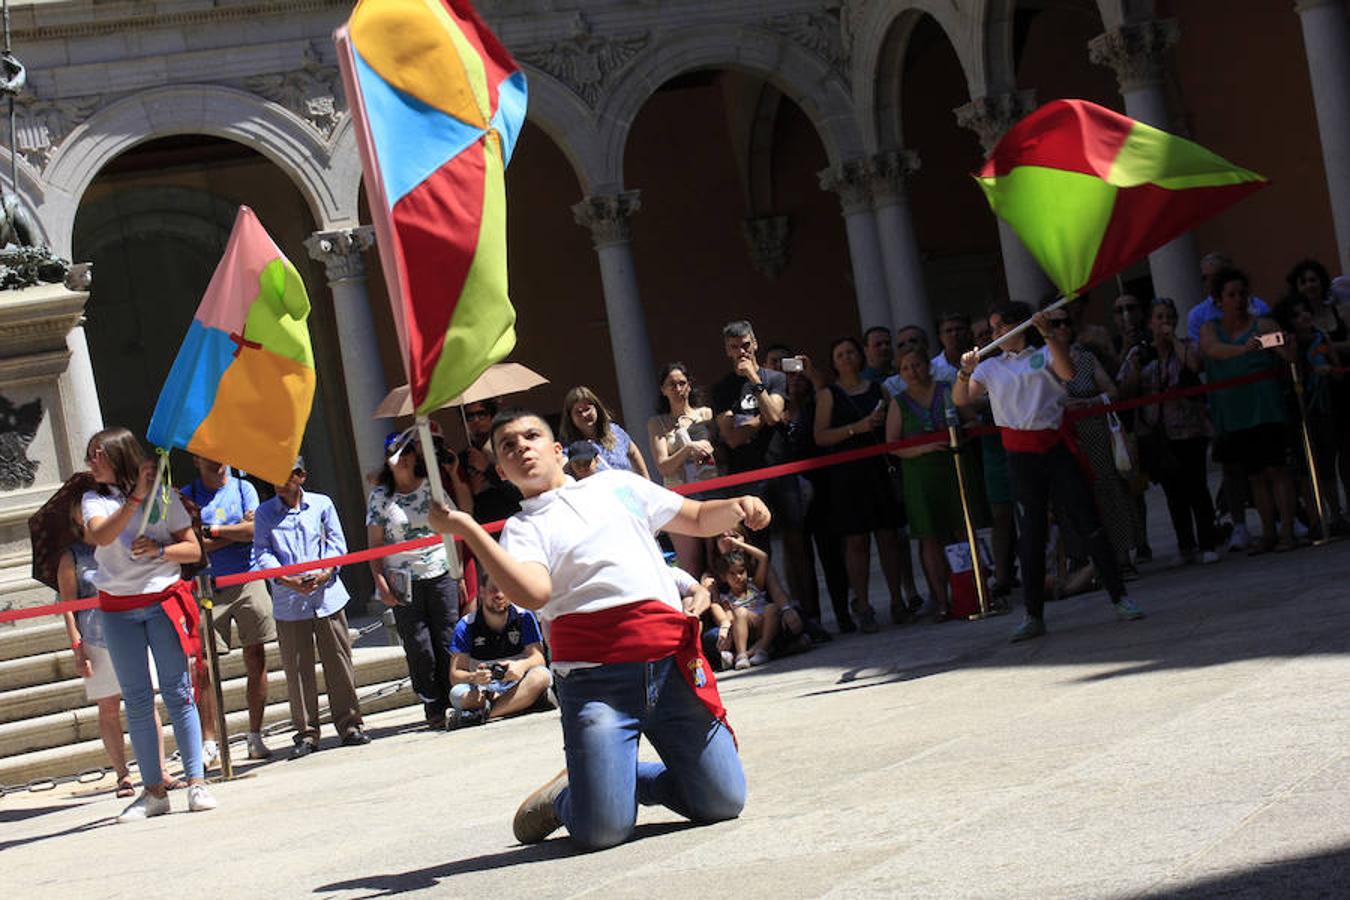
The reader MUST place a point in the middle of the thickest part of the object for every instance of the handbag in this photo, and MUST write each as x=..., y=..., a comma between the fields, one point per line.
x=400, y=585
x=1120, y=450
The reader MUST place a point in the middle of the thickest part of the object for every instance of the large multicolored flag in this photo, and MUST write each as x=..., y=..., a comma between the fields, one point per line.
x=438, y=104
x=241, y=388
x=1090, y=191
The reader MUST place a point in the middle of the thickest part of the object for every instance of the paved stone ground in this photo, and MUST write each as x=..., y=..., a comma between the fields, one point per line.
x=1199, y=753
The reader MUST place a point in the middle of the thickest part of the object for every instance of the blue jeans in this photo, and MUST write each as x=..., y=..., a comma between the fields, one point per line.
x=604, y=711
x=128, y=635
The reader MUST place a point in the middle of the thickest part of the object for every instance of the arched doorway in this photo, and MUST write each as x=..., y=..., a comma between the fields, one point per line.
x=154, y=222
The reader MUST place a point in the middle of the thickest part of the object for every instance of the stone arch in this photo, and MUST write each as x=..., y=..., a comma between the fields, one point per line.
x=995, y=34
x=887, y=84
x=270, y=129
x=805, y=78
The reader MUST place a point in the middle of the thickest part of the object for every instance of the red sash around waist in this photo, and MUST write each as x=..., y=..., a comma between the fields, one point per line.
x=179, y=604
x=645, y=631
x=1022, y=441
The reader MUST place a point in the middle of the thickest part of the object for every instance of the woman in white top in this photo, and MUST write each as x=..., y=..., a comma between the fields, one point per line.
x=146, y=604
x=681, y=437
x=421, y=586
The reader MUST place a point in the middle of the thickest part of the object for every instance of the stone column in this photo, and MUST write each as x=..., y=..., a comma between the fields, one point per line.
x=1137, y=53
x=340, y=251
x=1326, y=37
x=852, y=181
x=608, y=217
x=990, y=118
x=899, y=249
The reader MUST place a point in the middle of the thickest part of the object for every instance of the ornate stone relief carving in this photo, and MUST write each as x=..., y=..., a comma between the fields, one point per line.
x=608, y=216
x=1137, y=52
x=41, y=125
x=819, y=33
x=313, y=91
x=767, y=238
x=584, y=62
x=891, y=169
x=851, y=15
x=18, y=427
x=852, y=181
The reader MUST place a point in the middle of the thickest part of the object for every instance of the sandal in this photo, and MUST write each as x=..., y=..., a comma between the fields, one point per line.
x=174, y=784
x=1265, y=545
x=125, y=788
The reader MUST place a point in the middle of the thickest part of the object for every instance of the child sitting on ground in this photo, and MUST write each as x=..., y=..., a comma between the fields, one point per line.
x=752, y=593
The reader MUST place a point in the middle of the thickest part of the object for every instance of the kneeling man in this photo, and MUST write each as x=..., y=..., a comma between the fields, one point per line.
x=497, y=666
x=627, y=659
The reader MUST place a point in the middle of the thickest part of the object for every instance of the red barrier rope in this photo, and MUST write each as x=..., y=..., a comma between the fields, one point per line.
x=712, y=484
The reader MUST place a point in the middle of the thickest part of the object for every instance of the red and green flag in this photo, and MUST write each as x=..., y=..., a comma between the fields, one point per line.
x=1090, y=191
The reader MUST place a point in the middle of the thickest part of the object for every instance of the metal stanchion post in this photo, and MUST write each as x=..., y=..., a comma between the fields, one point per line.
x=976, y=566
x=206, y=594
x=1309, y=456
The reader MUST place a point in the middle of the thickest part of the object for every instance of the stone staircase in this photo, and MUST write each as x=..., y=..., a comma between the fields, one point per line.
x=49, y=730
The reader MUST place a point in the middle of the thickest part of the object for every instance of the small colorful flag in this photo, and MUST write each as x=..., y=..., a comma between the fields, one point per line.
x=438, y=103
x=241, y=388
x=1090, y=191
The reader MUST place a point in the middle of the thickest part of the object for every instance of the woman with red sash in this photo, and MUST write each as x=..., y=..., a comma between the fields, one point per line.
x=146, y=604
x=1026, y=393
x=627, y=659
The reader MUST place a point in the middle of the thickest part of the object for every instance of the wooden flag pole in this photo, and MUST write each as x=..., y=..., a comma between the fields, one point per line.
x=433, y=464
x=150, y=499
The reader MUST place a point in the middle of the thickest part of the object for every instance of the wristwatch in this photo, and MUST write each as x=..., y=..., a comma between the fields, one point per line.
x=757, y=388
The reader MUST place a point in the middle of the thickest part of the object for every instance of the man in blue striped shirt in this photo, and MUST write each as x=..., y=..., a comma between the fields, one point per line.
x=299, y=526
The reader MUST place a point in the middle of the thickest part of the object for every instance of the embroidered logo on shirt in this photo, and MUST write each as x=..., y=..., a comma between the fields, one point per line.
x=1037, y=361
x=630, y=500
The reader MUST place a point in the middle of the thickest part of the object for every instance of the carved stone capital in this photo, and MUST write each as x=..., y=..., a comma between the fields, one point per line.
x=340, y=251
x=608, y=216
x=313, y=92
x=767, y=239
x=891, y=170
x=1137, y=52
x=990, y=117
x=852, y=181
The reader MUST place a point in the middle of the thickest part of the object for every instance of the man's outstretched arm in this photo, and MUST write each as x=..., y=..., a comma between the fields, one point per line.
x=709, y=518
x=527, y=583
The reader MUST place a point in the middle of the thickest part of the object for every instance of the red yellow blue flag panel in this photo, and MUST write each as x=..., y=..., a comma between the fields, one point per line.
x=242, y=385
x=438, y=104
x=1090, y=191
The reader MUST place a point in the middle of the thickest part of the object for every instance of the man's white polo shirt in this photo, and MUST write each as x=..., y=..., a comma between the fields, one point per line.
x=595, y=537
x=1024, y=391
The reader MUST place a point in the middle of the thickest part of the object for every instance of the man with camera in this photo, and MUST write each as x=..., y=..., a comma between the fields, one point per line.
x=497, y=665
x=298, y=526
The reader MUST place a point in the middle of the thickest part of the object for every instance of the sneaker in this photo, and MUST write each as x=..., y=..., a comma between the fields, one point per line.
x=536, y=818
x=355, y=738
x=1031, y=627
x=1300, y=530
x=256, y=748
x=199, y=798
x=759, y=658
x=728, y=659
x=210, y=754
x=146, y=806
x=1239, y=540
x=303, y=747
x=466, y=718
x=1126, y=610
x=742, y=663
x=1208, y=557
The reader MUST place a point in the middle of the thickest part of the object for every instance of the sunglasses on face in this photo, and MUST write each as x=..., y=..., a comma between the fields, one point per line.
x=1059, y=322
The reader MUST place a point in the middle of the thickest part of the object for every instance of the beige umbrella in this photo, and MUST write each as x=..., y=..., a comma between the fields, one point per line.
x=497, y=381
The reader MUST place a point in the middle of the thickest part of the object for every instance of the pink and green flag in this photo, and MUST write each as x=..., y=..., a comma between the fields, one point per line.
x=242, y=385
x=1090, y=191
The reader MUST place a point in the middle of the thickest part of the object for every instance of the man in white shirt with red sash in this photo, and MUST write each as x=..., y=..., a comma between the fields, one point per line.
x=627, y=659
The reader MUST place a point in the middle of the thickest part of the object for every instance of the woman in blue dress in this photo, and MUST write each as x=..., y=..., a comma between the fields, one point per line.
x=585, y=418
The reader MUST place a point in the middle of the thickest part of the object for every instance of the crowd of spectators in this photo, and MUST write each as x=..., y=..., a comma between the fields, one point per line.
x=473, y=656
